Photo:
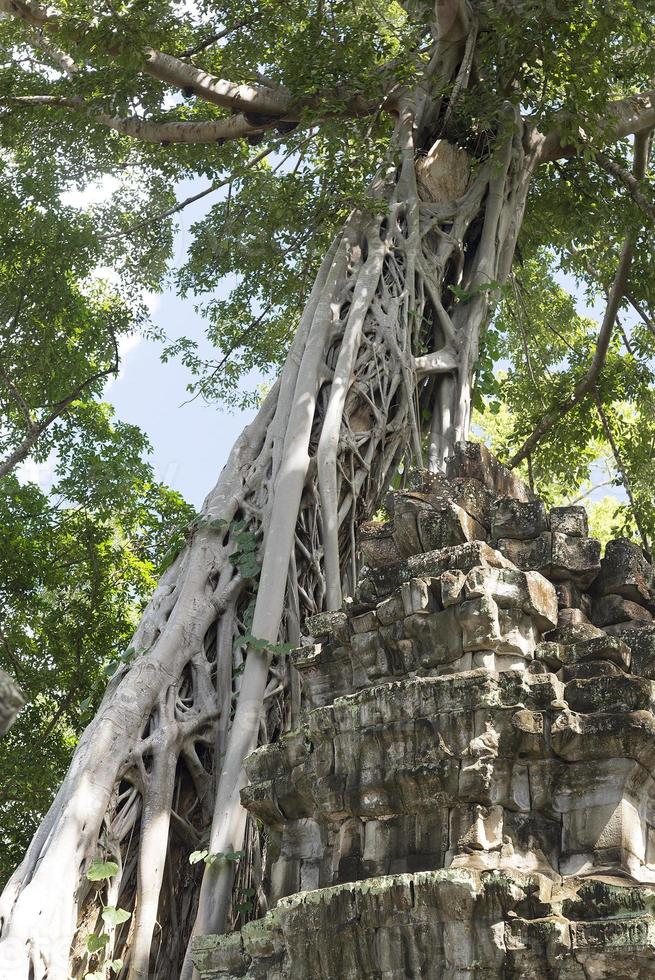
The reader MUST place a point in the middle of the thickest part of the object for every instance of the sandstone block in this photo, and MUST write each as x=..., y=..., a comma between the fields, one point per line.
x=377, y=545
x=417, y=596
x=570, y=520
x=328, y=625
x=571, y=617
x=510, y=587
x=512, y=518
x=473, y=460
x=438, y=637
x=569, y=596
x=625, y=572
x=534, y=554
x=611, y=609
x=451, y=586
x=380, y=582
x=575, y=558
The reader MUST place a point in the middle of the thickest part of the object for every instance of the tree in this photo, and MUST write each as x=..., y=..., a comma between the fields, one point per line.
x=413, y=144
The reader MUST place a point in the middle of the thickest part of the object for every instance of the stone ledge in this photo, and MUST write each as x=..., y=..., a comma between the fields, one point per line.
x=460, y=925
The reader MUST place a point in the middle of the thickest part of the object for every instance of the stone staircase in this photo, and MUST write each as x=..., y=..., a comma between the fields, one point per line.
x=470, y=794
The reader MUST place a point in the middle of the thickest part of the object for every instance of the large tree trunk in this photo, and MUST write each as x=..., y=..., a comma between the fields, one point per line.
x=382, y=345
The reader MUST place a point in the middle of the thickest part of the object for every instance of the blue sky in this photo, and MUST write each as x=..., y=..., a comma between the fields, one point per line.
x=191, y=440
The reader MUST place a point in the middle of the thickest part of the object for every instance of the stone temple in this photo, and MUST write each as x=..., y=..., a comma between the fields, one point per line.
x=471, y=794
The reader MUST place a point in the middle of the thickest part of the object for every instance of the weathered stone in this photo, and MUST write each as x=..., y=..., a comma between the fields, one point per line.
x=438, y=637
x=570, y=520
x=451, y=586
x=575, y=558
x=469, y=735
x=611, y=609
x=512, y=518
x=473, y=460
x=571, y=617
x=380, y=582
x=642, y=647
x=417, y=596
x=331, y=625
x=509, y=587
x=390, y=610
x=573, y=633
x=625, y=572
x=377, y=545
x=365, y=622
x=466, y=493
x=534, y=554
x=423, y=522
x=569, y=596
x=11, y=701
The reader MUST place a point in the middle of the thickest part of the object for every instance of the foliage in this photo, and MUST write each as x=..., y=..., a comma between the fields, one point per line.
x=75, y=570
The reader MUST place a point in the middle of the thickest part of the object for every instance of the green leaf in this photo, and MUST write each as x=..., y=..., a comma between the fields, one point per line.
x=196, y=856
x=114, y=916
x=100, y=870
x=95, y=943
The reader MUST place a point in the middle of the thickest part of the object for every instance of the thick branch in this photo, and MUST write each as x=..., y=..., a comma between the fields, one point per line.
x=206, y=131
x=249, y=98
x=627, y=117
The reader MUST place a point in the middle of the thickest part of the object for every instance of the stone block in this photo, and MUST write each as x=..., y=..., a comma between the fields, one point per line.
x=642, y=648
x=626, y=572
x=475, y=828
x=611, y=609
x=474, y=461
x=571, y=617
x=417, y=596
x=380, y=582
x=377, y=545
x=569, y=596
x=512, y=518
x=509, y=587
x=451, y=586
x=575, y=558
x=570, y=520
x=534, y=554
x=365, y=623
x=328, y=625
x=438, y=637
x=390, y=610
x=480, y=624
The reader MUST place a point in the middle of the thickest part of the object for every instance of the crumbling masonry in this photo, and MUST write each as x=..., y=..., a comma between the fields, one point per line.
x=471, y=793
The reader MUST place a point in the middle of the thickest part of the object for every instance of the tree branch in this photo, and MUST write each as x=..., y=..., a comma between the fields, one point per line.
x=205, y=131
x=37, y=429
x=588, y=383
x=248, y=98
x=620, y=466
x=631, y=116
x=630, y=183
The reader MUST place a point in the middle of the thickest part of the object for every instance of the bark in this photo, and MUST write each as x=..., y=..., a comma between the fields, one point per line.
x=381, y=343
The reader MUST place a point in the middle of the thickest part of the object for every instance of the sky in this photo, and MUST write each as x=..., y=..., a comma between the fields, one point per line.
x=190, y=439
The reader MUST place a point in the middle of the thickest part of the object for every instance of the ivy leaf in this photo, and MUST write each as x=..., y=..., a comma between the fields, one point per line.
x=197, y=856
x=113, y=916
x=100, y=870
x=95, y=943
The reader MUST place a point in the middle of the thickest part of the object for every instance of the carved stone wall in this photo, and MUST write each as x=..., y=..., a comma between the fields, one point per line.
x=471, y=793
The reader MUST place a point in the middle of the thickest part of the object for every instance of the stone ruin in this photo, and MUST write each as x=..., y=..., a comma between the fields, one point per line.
x=11, y=701
x=471, y=792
